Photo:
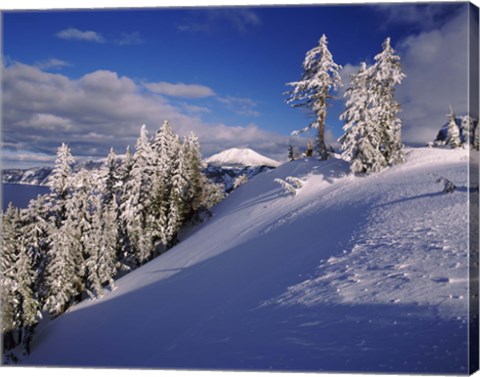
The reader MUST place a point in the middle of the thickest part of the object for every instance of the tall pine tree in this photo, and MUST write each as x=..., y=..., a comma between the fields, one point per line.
x=320, y=76
x=386, y=74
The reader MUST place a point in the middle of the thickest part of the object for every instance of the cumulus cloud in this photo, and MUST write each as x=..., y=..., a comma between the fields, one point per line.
x=100, y=110
x=213, y=20
x=51, y=64
x=130, y=39
x=81, y=35
x=180, y=89
x=435, y=63
x=240, y=106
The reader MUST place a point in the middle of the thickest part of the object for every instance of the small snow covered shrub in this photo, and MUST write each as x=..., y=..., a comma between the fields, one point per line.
x=240, y=180
x=448, y=187
x=290, y=185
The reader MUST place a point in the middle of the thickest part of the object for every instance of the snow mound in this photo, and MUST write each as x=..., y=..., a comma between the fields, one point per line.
x=353, y=273
x=241, y=156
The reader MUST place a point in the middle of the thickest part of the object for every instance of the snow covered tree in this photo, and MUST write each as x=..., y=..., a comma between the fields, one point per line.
x=28, y=304
x=101, y=265
x=476, y=138
x=110, y=179
x=35, y=228
x=309, y=152
x=124, y=247
x=165, y=146
x=135, y=209
x=320, y=76
x=291, y=153
x=195, y=177
x=62, y=279
x=177, y=205
x=453, y=133
x=8, y=278
x=385, y=74
x=362, y=140
x=468, y=130
x=240, y=180
x=60, y=183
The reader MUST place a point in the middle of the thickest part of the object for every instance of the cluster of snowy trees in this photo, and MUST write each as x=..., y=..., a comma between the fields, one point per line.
x=74, y=241
x=459, y=132
x=372, y=138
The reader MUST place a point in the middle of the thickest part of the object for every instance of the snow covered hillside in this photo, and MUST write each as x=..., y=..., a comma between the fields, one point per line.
x=241, y=156
x=350, y=274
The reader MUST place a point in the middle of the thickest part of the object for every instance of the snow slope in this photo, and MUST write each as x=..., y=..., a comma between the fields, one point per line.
x=241, y=156
x=351, y=274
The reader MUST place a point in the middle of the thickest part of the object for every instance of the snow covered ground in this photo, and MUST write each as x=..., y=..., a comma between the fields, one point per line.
x=350, y=274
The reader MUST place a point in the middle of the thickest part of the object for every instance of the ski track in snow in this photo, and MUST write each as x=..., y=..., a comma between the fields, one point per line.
x=350, y=274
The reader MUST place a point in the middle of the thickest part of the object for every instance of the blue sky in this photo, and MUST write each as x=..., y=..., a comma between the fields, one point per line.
x=91, y=78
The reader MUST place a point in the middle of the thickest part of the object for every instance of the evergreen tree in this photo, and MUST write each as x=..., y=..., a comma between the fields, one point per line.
x=468, y=130
x=195, y=177
x=60, y=183
x=291, y=153
x=110, y=179
x=8, y=282
x=309, y=152
x=135, y=210
x=362, y=140
x=476, y=132
x=29, y=308
x=35, y=226
x=177, y=206
x=320, y=76
x=165, y=147
x=386, y=73
x=124, y=247
x=101, y=240
x=453, y=133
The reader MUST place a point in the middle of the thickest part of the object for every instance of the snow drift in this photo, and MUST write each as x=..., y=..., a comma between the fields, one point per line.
x=353, y=273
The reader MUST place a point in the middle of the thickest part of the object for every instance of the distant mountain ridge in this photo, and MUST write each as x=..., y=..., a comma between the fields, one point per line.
x=222, y=168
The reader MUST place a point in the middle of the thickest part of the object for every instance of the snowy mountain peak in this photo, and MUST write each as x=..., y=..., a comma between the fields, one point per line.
x=241, y=156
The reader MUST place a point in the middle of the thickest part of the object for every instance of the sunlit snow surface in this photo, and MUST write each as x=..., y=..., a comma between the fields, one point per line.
x=351, y=274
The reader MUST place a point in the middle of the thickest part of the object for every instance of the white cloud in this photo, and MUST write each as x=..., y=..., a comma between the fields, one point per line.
x=212, y=20
x=102, y=109
x=240, y=106
x=435, y=63
x=52, y=63
x=180, y=89
x=81, y=35
x=130, y=39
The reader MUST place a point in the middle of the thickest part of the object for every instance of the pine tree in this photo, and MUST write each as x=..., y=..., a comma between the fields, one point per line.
x=291, y=153
x=468, y=130
x=124, y=248
x=35, y=227
x=8, y=281
x=62, y=280
x=165, y=146
x=177, y=199
x=195, y=177
x=110, y=179
x=309, y=152
x=135, y=210
x=28, y=304
x=320, y=76
x=476, y=134
x=101, y=261
x=60, y=183
x=362, y=140
x=386, y=73
x=453, y=133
